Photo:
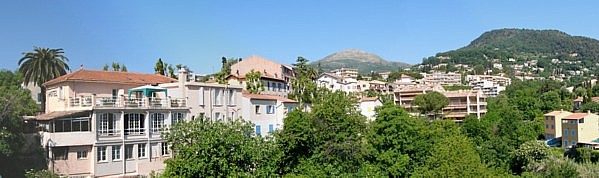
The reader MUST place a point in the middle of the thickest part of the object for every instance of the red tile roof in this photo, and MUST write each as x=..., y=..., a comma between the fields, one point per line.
x=576, y=116
x=268, y=97
x=369, y=99
x=111, y=77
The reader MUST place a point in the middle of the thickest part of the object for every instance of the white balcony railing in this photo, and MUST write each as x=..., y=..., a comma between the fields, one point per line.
x=127, y=102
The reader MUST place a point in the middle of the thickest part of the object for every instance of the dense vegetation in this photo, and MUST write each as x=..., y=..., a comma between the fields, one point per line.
x=498, y=46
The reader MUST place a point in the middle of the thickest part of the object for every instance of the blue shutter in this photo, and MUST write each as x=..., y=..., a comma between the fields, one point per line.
x=258, y=129
x=271, y=128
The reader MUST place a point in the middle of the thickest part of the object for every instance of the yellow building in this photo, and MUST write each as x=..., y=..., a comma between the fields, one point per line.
x=579, y=127
x=553, y=124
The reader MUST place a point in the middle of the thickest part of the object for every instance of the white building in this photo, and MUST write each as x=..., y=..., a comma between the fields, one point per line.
x=367, y=106
x=266, y=111
x=490, y=85
x=334, y=82
x=346, y=73
x=442, y=79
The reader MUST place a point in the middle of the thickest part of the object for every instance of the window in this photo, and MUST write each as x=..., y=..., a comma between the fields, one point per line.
x=566, y=143
x=154, y=150
x=141, y=150
x=82, y=155
x=552, y=118
x=164, y=148
x=231, y=97
x=279, y=86
x=573, y=132
x=60, y=153
x=271, y=128
x=39, y=97
x=101, y=153
x=217, y=97
x=565, y=131
x=216, y=116
x=107, y=124
x=257, y=109
x=581, y=120
x=546, y=117
x=546, y=126
x=552, y=126
x=201, y=99
x=573, y=142
x=270, y=109
x=134, y=124
x=176, y=117
x=258, y=129
x=129, y=151
x=157, y=122
x=116, y=152
x=72, y=125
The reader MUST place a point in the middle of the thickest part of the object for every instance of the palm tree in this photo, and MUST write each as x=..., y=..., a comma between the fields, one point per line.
x=41, y=65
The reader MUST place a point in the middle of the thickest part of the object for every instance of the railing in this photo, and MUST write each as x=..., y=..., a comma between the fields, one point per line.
x=134, y=102
x=178, y=102
x=108, y=102
x=73, y=102
x=157, y=102
x=81, y=101
x=127, y=102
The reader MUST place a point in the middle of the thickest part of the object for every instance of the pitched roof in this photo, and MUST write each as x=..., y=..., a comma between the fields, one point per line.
x=268, y=97
x=555, y=113
x=576, y=116
x=111, y=77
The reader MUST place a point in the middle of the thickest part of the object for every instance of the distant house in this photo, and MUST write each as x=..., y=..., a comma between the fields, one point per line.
x=579, y=127
x=271, y=72
x=367, y=106
x=553, y=124
x=335, y=82
x=266, y=112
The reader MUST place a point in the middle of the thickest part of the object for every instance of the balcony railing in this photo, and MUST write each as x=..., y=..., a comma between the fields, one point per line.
x=127, y=102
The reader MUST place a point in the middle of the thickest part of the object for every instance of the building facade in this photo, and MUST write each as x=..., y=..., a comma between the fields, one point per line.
x=553, y=124
x=442, y=79
x=490, y=85
x=266, y=112
x=346, y=73
x=271, y=72
x=334, y=82
x=96, y=126
x=579, y=127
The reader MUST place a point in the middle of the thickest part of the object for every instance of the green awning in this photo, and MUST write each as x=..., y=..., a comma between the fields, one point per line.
x=147, y=90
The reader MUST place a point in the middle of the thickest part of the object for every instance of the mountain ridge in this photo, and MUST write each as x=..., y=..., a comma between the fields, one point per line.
x=358, y=59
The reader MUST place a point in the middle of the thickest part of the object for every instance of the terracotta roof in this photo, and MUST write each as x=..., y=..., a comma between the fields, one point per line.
x=555, y=113
x=579, y=99
x=369, y=99
x=62, y=114
x=268, y=97
x=576, y=116
x=242, y=78
x=111, y=77
x=405, y=76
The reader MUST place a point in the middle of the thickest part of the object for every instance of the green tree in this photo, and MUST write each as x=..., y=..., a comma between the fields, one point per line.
x=159, y=68
x=253, y=83
x=304, y=88
x=124, y=68
x=116, y=66
x=219, y=149
x=529, y=152
x=590, y=106
x=42, y=65
x=105, y=68
x=445, y=161
x=431, y=103
x=15, y=102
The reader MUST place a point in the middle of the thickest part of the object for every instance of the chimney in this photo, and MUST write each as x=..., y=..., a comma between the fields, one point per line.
x=182, y=80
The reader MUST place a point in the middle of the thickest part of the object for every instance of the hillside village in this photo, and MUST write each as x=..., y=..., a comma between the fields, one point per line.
x=111, y=123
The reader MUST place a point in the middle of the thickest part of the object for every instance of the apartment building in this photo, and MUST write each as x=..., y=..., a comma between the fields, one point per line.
x=346, y=73
x=490, y=85
x=442, y=79
x=275, y=76
x=213, y=100
x=461, y=103
x=579, y=128
x=553, y=124
x=335, y=82
x=106, y=123
x=265, y=111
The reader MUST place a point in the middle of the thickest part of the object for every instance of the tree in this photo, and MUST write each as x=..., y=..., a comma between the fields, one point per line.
x=116, y=66
x=445, y=161
x=42, y=65
x=529, y=152
x=124, y=68
x=159, y=68
x=253, y=83
x=431, y=103
x=15, y=101
x=105, y=68
x=171, y=71
x=219, y=149
x=304, y=88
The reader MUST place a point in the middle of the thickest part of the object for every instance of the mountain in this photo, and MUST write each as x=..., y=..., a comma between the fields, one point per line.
x=544, y=53
x=361, y=60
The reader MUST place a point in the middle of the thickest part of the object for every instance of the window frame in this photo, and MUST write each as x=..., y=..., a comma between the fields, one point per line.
x=141, y=150
x=107, y=125
x=101, y=154
x=116, y=152
x=157, y=122
x=81, y=155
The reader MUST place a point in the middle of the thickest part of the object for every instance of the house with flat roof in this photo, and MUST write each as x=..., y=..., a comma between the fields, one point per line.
x=108, y=123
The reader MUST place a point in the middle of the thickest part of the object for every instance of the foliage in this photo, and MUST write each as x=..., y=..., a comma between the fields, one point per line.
x=218, y=149
x=445, y=161
x=15, y=102
x=42, y=65
x=529, y=152
x=225, y=70
x=115, y=67
x=160, y=68
x=304, y=88
x=253, y=83
x=41, y=173
x=431, y=103
x=590, y=106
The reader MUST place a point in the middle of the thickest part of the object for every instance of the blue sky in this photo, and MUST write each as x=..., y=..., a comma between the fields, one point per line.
x=199, y=33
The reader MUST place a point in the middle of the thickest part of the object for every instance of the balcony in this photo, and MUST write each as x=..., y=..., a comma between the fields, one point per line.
x=92, y=102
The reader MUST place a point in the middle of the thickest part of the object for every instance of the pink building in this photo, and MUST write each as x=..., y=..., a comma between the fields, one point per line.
x=105, y=123
x=275, y=76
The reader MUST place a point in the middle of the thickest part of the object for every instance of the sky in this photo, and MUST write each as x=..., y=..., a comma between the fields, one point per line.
x=198, y=33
